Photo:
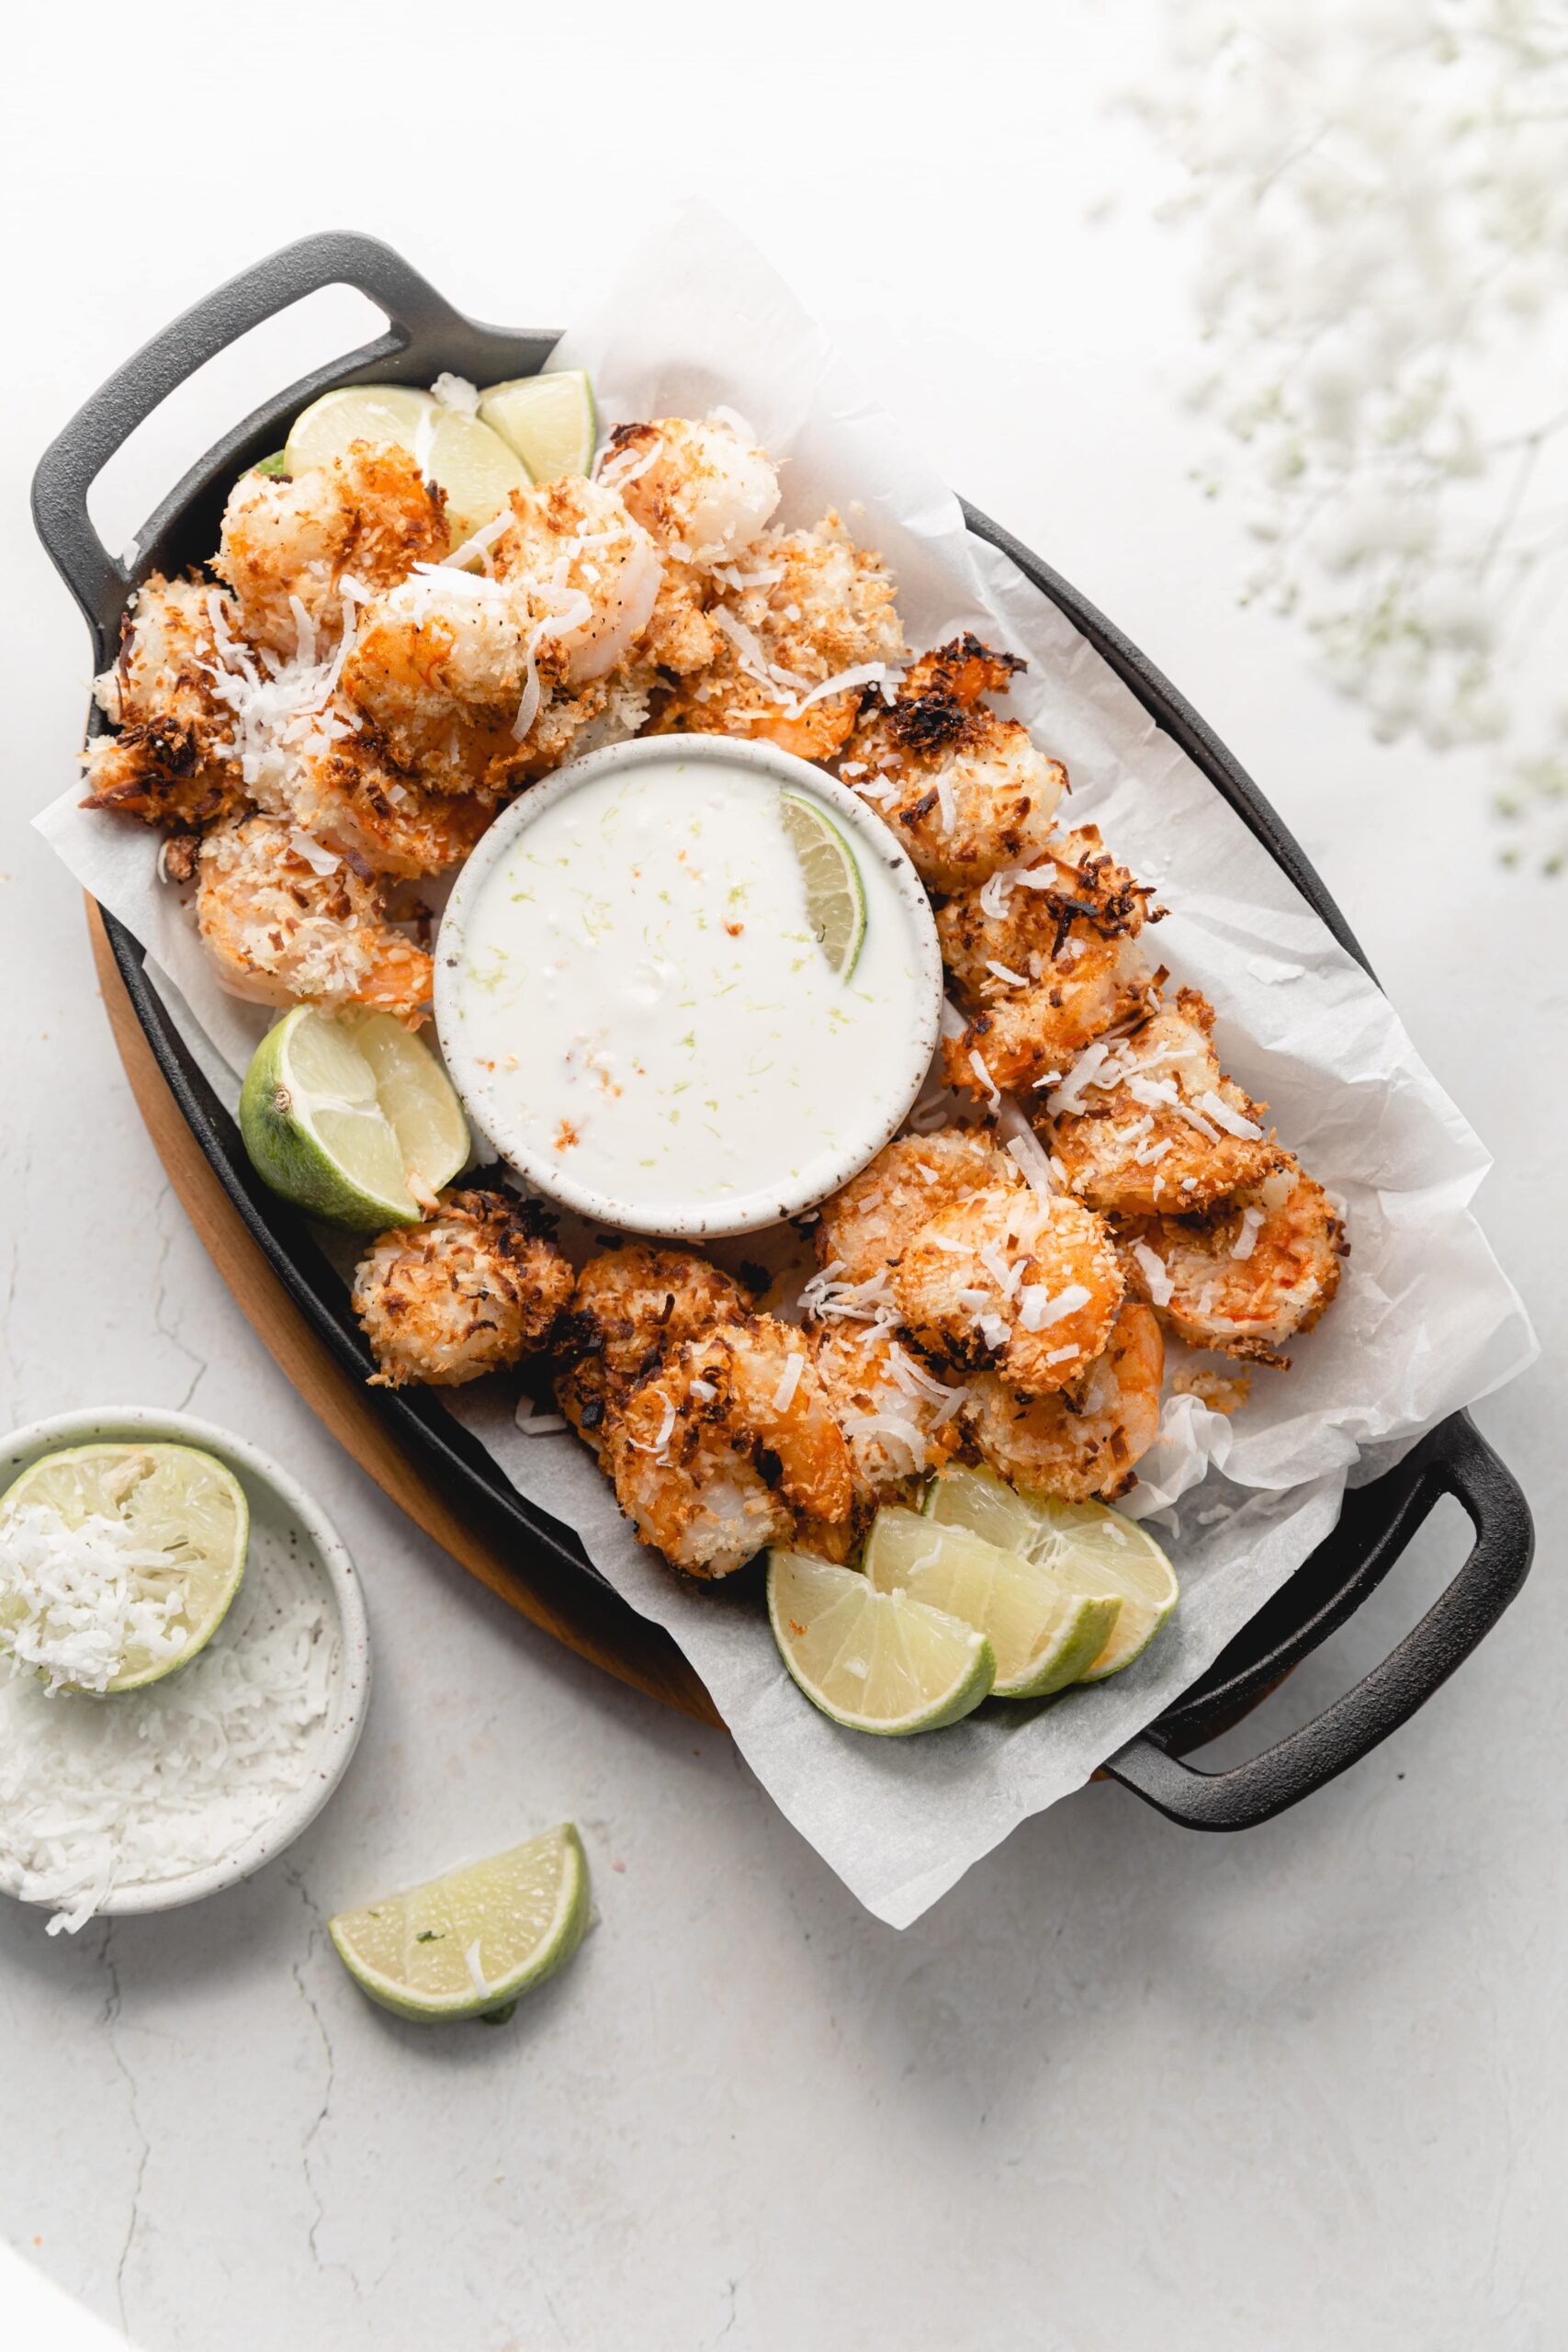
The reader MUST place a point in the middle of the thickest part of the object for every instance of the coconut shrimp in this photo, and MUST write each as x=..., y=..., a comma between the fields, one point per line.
x=1086, y=1439
x=288, y=545
x=628, y=1306
x=702, y=489
x=803, y=610
x=967, y=793
x=472, y=1291
x=1008, y=1281
x=1147, y=1123
x=589, y=574
x=1251, y=1275
x=172, y=760
x=348, y=797
x=897, y=1417
x=1045, y=961
x=439, y=665
x=866, y=1227
x=287, y=921
x=715, y=1452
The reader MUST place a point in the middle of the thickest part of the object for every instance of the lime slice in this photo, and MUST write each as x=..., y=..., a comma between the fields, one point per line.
x=549, y=420
x=349, y=1117
x=1046, y=1634
x=835, y=897
x=468, y=1945
x=474, y=466
x=874, y=1661
x=1087, y=1544
x=181, y=1506
x=358, y=412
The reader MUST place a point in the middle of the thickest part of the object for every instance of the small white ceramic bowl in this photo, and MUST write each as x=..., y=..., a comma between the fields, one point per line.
x=874, y=844
x=293, y=1547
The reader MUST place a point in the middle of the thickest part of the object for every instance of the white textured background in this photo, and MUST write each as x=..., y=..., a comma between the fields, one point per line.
x=1301, y=2087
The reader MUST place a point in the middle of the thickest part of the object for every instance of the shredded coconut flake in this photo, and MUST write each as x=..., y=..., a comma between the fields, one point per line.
x=455, y=391
x=1234, y=1124
x=154, y=1784
x=1247, y=1239
x=1153, y=1269
x=789, y=1381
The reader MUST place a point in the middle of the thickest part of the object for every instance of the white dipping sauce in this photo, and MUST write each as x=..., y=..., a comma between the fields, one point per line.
x=641, y=1014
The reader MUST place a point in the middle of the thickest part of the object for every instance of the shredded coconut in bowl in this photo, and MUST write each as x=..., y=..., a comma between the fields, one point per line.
x=149, y=1786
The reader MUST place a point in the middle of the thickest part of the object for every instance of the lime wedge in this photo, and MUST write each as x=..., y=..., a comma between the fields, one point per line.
x=474, y=466
x=357, y=412
x=874, y=1661
x=548, y=419
x=1045, y=1634
x=469, y=1944
x=351, y=1117
x=1087, y=1544
x=835, y=897
x=170, y=1521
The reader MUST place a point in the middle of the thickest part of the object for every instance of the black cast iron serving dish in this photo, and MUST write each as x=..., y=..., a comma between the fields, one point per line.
x=424, y=336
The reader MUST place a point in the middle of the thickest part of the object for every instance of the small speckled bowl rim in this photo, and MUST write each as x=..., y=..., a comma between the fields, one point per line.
x=872, y=839
x=351, y=1684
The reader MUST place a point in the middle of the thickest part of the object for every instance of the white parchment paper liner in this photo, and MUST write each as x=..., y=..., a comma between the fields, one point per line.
x=1426, y=1321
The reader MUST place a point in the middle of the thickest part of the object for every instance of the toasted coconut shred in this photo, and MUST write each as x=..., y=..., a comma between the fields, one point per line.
x=97, y=1795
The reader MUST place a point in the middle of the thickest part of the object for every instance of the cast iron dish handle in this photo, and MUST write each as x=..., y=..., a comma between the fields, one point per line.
x=1455, y=1460
x=421, y=321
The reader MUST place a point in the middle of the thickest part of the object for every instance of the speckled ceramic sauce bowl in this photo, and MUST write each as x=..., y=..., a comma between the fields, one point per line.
x=626, y=983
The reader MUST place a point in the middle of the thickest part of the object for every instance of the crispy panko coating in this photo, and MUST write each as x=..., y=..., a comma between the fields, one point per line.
x=1007, y=1280
x=817, y=606
x=1252, y=1274
x=966, y=792
x=280, y=933
x=1157, y=1128
x=369, y=515
x=438, y=666
x=980, y=1269
x=899, y=1419
x=349, y=797
x=1043, y=963
x=715, y=1452
x=703, y=492
x=173, y=759
x=629, y=1304
x=472, y=1291
x=476, y=684
x=867, y=1225
x=590, y=573
x=1086, y=1439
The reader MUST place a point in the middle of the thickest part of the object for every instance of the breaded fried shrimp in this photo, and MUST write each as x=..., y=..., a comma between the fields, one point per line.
x=866, y=1226
x=629, y=1305
x=1086, y=1439
x=1147, y=1123
x=1043, y=960
x=1007, y=1280
x=350, y=798
x=589, y=572
x=899, y=1419
x=703, y=490
x=815, y=607
x=369, y=515
x=715, y=1450
x=281, y=930
x=472, y=1291
x=966, y=792
x=172, y=760
x=1250, y=1276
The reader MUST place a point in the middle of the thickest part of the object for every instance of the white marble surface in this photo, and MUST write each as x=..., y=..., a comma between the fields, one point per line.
x=1297, y=2087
